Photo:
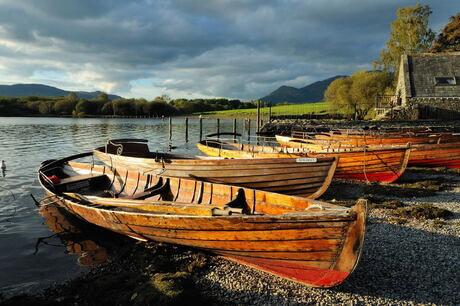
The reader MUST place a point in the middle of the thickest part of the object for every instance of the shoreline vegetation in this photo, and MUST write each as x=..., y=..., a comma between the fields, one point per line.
x=102, y=107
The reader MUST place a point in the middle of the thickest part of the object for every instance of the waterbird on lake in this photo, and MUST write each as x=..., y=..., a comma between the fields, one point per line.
x=3, y=168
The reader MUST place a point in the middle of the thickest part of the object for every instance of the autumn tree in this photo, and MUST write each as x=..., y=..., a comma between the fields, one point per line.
x=355, y=95
x=448, y=39
x=338, y=95
x=409, y=34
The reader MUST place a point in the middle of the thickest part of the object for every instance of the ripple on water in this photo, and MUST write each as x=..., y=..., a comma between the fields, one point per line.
x=25, y=143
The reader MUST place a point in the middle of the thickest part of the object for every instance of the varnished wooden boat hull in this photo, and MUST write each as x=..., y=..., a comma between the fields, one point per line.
x=378, y=164
x=436, y=155
x=312, y=242
x=287, y=175
x=336, y=141
x=439, y=151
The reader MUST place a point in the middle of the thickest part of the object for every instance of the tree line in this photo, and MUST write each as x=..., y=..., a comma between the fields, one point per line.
x=355, y=95
x=71, y=105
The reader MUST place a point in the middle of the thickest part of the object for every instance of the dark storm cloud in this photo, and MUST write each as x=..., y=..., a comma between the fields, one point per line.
x=230, y=48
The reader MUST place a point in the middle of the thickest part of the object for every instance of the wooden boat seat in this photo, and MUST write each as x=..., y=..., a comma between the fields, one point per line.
x=127, y=149
x=79, y=182
x=160, y=187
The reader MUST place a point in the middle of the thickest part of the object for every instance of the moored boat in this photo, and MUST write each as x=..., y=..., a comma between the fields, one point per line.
x=308, y=178
x=427, y=149
x=301, y=239
x=379, y=163
x=436, y=155
x=333, y=139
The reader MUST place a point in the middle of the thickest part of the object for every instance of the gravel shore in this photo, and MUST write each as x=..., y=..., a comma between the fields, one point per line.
x=417, y=262
x=405, y=261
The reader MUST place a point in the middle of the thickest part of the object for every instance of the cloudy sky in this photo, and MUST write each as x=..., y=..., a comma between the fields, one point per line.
x=187, y=48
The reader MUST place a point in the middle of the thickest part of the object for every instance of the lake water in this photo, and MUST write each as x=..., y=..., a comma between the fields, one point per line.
x=32, y=258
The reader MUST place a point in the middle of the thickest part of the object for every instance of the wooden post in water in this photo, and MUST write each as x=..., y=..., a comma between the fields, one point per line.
x=218, y=127
x=234, y=129
x=258, y=116
x=186, y=129
x=249, y=129
x=201, y=128
x=170, y=128
x=270, y=112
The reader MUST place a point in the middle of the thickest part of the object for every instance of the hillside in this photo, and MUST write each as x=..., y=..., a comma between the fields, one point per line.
x=26, y=90
x=309, y=94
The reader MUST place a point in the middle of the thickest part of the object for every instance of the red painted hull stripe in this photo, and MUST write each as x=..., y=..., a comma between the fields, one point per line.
x=455, y=163
x=316, y=277
x=386, y=177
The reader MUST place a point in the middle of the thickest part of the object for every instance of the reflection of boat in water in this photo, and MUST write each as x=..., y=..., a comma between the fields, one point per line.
x=73, y=235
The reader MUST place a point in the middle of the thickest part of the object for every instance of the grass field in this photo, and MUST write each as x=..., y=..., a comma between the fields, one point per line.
x=295, y=109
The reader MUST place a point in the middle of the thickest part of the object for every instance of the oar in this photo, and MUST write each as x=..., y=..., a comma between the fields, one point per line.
x=163, y=207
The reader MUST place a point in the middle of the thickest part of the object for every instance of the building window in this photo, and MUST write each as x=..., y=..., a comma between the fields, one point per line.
x=446, y=80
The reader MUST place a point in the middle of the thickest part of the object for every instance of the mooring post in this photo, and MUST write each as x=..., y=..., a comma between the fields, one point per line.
x=218, y=127
x=170, y=128
x=249, y=129
x=270, y=112
x=258, y=116
x=234, y=129
x=201, y=128
x=186, y=129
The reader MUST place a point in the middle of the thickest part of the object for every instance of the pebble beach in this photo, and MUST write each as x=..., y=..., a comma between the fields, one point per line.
x=414, y=263
x=405, y=260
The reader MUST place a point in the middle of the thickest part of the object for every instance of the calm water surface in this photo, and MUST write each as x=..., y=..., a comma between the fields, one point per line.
x=27, y=262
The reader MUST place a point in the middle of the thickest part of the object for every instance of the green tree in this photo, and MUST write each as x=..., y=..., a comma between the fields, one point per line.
x=338, y=95
x=123, y=107
x=107, y=109
x=355, y=95
x=163, y=98
x=84, y=107
x=64, y=107
x=448, y=39
x=139, y=106
x=72, y=97
x=158, y=109
x=45, y=107
x=409, y=34
x=33, y=106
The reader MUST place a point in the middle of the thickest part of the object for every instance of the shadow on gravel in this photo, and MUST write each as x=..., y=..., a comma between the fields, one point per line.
x=415, y=183
x=399, y=265
x=406, y=264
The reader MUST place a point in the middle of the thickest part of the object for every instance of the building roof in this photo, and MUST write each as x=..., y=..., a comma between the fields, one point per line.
x=432, y=74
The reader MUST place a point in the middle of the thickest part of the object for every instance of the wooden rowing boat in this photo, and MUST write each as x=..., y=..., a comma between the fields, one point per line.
x=308, y=178
x=436, y=155
x=333, y=139
x=382, y=164
x=301, y=239
x=427, y=149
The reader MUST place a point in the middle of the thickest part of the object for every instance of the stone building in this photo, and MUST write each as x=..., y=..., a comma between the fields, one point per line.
x=428, y=88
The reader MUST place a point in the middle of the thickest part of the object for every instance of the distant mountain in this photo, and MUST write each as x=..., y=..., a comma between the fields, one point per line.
x=26, y=90
x=308, y=94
